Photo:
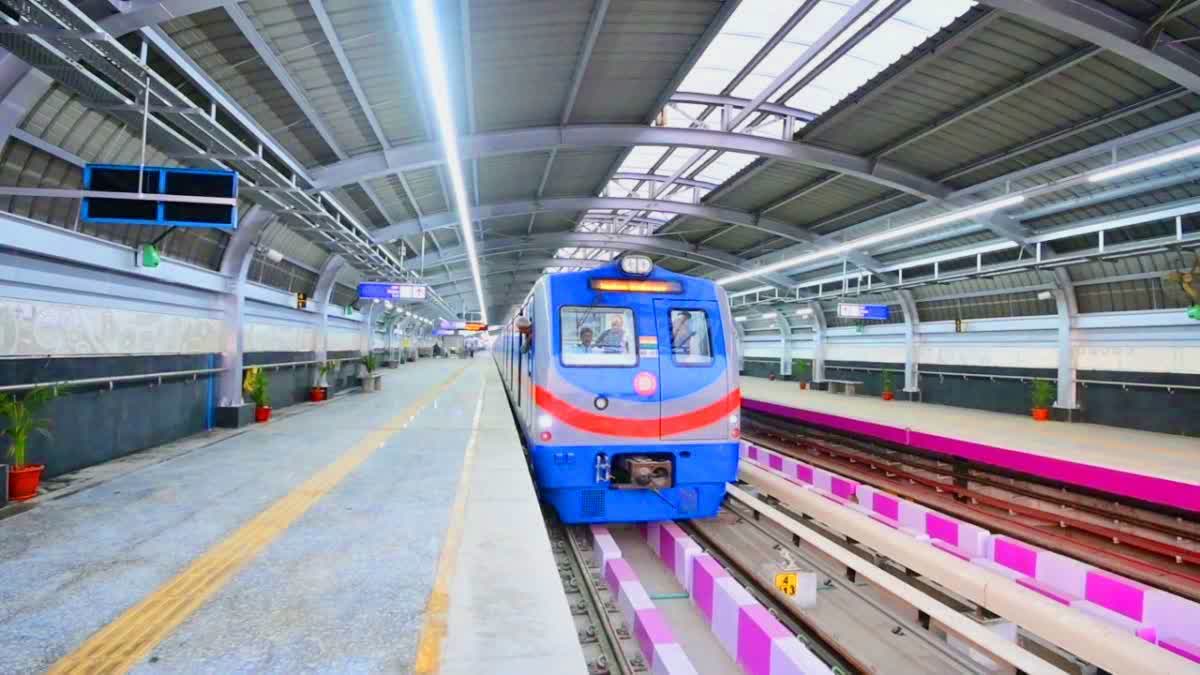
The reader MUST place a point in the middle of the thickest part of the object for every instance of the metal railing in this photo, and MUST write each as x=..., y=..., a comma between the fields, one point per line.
x=112, y=380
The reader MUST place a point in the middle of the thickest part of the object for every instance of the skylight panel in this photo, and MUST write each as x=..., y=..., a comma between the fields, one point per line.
x=726, y=165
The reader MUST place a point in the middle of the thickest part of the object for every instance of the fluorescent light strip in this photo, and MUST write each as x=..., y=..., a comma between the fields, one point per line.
x=877, y=238
x=439, y=89
x=1143, y=164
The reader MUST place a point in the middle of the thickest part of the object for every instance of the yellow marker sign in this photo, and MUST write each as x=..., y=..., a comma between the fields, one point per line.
x=786, y=582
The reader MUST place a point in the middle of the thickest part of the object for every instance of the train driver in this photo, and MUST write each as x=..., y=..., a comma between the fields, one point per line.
x=614, y=337
x=682, y=333
x=585, y=341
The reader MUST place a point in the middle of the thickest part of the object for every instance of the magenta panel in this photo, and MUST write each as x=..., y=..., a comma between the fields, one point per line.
x=752, y=453
x=841, y=487
x=617, y=570
x=1187, y=650
x=1119, y=596
x=650, y=629
x=804, y=473
x=668, y=534
x=1016, y=556
x=938, y=527
x=1148, y=488
x=704, y=571
x=756, y=629
x=885, y=506
x=775, y=461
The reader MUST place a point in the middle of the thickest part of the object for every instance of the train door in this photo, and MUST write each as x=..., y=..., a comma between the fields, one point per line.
x=693, y=373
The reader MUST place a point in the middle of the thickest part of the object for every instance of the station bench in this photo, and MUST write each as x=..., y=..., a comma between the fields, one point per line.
x=847, y=387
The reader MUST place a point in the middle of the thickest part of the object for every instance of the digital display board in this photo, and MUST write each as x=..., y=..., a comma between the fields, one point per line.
x=384, y=290
x=159, y=180
x=870, y=312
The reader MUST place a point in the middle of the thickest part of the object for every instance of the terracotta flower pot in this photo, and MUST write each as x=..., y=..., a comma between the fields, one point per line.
x=262, y=413
x=318, y=393
x=1041, y=414
x=887, y=396
x=23, y=482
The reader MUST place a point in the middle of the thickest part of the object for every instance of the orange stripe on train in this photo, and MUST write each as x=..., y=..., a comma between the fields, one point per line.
x=638, y=428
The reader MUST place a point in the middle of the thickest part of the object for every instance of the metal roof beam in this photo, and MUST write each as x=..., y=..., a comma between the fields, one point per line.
x=696, y=98
x=134, y=15
x=526, y=265
x=652, y=245
x=540, y=139
x=655, y=177
x=1113, y=30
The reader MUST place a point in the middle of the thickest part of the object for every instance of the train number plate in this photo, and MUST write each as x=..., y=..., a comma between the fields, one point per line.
x=786, y=582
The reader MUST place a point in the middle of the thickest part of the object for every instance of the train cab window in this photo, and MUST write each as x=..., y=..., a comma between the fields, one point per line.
x=598, y=336
x=690, y=340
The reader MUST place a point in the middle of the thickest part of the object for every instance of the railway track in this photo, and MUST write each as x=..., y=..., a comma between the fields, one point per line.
x=1121, y=539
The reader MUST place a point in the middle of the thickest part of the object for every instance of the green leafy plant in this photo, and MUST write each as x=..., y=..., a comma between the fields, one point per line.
x=1043, y=393
x=22, y=420
x=256, y=385
x=800, y=369
x=370, y=363
x=323, y=371
x=888, y=379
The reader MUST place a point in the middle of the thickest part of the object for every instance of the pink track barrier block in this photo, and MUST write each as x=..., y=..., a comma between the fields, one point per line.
x=752, y=453
x=618, y=571
x=705, y=573
x=1112, y=592
x=671, y=660
x=668, y=534
x=1015, y=556
x=789, y=657
x=604, y=547
x=757, y=629
x=652, y=535
x=842, y=487
x=775, y=462
x=651, y=630
x=804, y=473
x=728, y=599
x=685, y=550
x=631, y=599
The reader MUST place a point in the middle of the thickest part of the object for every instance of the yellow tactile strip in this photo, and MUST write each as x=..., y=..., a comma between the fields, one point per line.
x=437, y=609
x=122, y=644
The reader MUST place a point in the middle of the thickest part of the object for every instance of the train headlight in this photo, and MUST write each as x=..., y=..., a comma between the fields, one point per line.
x=645, y=383
x=601, y=403
x=545, y=421
x=636, y=265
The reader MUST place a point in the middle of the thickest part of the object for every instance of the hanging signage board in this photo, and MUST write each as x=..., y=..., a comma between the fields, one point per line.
x=385, y=290
x=169, y=197
x=452, y=325
x=873, y=312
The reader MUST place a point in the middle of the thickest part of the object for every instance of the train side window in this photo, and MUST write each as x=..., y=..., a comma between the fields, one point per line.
x=691, y=343
x=598, y=336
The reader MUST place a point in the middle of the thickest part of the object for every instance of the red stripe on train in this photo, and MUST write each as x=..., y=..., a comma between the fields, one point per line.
x=638, y=428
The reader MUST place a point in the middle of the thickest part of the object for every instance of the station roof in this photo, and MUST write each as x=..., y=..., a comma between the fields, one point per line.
x=719, y=137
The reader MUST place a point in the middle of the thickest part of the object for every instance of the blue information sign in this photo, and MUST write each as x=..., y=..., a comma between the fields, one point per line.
x=873, y=312
x=217, y=187
x=382, y=290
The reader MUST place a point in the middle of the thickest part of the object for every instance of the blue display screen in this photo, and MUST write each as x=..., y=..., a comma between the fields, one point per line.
x=873, y=312
x=382, y=290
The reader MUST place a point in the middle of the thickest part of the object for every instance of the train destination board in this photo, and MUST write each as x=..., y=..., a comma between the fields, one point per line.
x=874, y=312
x=383, y=290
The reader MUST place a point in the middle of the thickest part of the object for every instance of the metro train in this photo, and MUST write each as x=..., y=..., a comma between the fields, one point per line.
x=623, y=380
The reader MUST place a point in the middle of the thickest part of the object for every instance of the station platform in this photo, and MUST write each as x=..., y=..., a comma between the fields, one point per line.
x=389, y=532
x=1154, y=468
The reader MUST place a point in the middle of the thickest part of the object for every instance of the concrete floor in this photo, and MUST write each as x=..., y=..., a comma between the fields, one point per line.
x=344, y=587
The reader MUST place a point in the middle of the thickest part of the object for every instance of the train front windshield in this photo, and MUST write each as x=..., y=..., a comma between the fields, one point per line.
x=598, y=336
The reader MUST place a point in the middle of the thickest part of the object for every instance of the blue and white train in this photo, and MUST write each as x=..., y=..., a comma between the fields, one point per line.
x=622, y=383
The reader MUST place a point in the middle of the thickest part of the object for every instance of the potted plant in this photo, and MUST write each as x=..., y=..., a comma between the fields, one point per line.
x=800, y=370
x=1043, y=397
x=256, y=388
x=320, y=392
x=21, y=421
x=889, y=384
x=370, y=381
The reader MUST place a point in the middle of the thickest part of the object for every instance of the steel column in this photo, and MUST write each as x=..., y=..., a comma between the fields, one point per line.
x=785, y=343
x=912, y=321
x=234, y=266
x=1064, y=300
x=818, y=324
x=325, y=282
x=368, y=328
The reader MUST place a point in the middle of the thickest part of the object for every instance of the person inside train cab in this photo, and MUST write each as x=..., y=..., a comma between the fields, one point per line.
x=614, y=337
x=585, y=341
x=681, y=333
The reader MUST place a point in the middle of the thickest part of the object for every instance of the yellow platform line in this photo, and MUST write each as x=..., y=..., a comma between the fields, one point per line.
x=437, y=608
x=127, y=640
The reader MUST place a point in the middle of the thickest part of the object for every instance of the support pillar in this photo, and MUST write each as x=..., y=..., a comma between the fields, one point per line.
x=234, y=266
x=1064, y=300
x=785, y=341
x=912, y=375
x=818, y=325
x=325, y=281
x=740, y=344
x=368, y=328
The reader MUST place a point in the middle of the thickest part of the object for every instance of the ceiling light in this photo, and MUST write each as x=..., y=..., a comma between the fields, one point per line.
x=804, y=311
x=878, y=238
x=439, y=89
x=739, y=319
x=1142, y=165
x=769, y=315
